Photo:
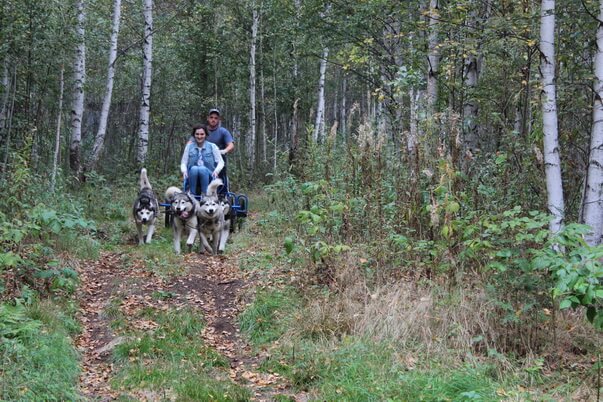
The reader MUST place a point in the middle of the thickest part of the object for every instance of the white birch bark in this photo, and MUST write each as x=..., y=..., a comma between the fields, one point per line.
x=413, y=135
x=9, y=123
x=470, y=109
x=275, y=105
x=592, y=209
x=102, y=126
x=145, y=105
x=251, y=140
x=433, y=56
x=294, y=135
x=263, y=105
x=57, y=138
x=552, y=159
x=5, y=91
x=319, y=124
x=343, y=110
x=79, y=75
x=473, y=66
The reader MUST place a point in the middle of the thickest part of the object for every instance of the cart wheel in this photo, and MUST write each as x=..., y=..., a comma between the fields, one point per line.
x=243, y=204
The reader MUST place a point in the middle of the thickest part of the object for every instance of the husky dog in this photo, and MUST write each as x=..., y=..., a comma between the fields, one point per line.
x=145, y=208
x=184, y=208
x=225, y=204
x=211, y=219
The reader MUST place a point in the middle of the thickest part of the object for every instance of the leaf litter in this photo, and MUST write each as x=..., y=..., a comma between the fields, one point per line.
x=212, y=285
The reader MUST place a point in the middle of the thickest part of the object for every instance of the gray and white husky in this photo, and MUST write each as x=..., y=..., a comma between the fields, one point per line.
x=211, y=220
x=145, y=208
x=225, y=204
x=184, y=208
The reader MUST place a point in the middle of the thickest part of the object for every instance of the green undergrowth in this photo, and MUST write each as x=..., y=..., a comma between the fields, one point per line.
x=361, y=370
x=38, y=359
x=310, y=323
x=268, y=318
x=174, y=360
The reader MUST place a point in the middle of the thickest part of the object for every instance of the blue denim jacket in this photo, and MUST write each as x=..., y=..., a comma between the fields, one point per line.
x=207, y=156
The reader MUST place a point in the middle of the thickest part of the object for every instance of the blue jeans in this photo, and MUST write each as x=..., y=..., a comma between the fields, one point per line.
x=199, y=175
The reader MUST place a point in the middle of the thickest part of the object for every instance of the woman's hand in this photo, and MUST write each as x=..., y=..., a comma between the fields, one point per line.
x=214, y=174
x=185, y=175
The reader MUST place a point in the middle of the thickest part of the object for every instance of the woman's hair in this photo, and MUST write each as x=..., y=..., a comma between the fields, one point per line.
x=197, y=127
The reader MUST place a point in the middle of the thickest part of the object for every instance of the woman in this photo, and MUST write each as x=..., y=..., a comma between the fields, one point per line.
x=201, y=161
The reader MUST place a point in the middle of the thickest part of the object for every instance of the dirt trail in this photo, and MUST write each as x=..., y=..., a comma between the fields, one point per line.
x=214, y=285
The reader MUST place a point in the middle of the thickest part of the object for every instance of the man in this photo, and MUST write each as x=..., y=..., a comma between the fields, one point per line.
x=223, y=139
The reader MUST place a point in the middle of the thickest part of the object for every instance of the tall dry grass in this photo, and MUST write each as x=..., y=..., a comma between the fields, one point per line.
x=437, y=321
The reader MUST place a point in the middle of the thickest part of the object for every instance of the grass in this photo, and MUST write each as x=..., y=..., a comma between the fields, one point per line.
x=267, y=319
x=351, y=341
x=174, y=359
x=80, y=246
x=356, y=369
x=38, y=362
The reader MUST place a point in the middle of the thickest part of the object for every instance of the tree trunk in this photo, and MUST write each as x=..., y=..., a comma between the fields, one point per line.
x=145, y=105
x=549, y=115
x=413, y=134
x=77, y=110
x=294, y=128
x=5, y=92
x=57, y=138
x=275, y=106
x=592, y=205
x=102, y=126
x=433, y=56
x=251, y=140
x=9, y=124
x=343, y=112
x=319, y=125
x=470, y=107
x=263, y=105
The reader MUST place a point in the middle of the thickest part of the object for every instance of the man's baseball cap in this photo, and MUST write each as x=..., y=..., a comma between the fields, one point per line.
x=214, y=111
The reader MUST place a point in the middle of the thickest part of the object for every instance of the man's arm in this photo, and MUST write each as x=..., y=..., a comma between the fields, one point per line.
x=228, y=140
x=229, y=148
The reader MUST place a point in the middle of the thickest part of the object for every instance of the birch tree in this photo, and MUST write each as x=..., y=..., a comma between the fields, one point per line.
x=294, y=129
x=57, y=137
x=319, y=124
x=413, y=134
x=102, y=126
x=79, y=75
x=470, y=108
x=5, y=91
x=433, y=56
x=593, y=193
x=343, y=106
x=263, y=103
x=9, y=122
x=147, y=70
x=472, y=70
x=251, y=140
x=552, y=160
x=275, y=97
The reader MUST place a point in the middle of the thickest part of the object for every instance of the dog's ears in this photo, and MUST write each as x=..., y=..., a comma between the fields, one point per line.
x=192, y=197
